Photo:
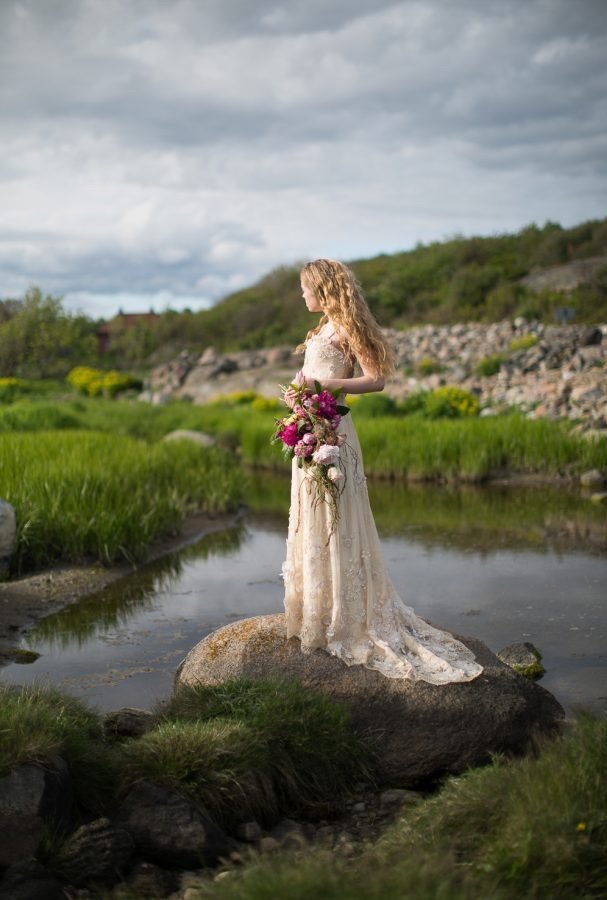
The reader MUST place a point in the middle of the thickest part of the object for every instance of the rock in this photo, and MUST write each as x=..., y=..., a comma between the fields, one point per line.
x=590, y=336
x=29, y=880
x=171, y=830
x=397, y=797
x=249, y=831
x=97, y=852
x=268, y=844
x=290, y=834
x=150, y=881
x=197, y=437
x=524, y=658
x=419, y=730
x=32, y=798
x=24, y=657
x=8, y=532
x=593, y=478
x=127, y=722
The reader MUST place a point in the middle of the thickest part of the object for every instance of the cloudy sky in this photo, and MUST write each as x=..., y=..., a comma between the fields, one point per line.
x=166, y=152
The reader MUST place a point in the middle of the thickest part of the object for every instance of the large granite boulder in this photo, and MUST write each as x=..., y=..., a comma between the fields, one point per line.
x=420, y=730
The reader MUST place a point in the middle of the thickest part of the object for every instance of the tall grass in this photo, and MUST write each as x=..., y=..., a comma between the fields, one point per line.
x=528, y=829
x=393, y=447
x=88, y=496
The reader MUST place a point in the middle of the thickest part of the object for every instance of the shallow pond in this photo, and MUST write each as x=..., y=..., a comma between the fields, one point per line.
x=501, y=564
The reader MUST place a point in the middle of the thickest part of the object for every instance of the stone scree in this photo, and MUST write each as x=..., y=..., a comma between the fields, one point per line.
x=562, y=375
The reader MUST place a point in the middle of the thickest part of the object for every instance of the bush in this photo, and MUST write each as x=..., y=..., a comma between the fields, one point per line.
x=429, y=366
x=94, y=382
x=10, y=388
x=267, y=404
x=372, y=405
x=524, y=342
x=413, y=403
x=489, y=365
x=450, y=402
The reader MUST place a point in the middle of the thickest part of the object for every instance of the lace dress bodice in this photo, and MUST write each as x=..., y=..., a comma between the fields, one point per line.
x=324, y=359
x=338, y=593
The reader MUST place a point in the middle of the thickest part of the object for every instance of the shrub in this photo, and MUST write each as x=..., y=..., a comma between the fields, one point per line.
x=429, y=366
x=413, y=403
x=524, y=342
x=267, y=404
x=236, y=398
x=10, y=388
x=451, y=402
x=372, y=405
x=489, y=365
x=95, y=381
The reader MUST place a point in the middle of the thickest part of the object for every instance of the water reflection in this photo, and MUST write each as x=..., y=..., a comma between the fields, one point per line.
x=114, y=606
x=544, y=518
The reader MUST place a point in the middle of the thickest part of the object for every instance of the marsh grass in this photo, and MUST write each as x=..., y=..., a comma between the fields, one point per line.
x=411, y=446
x=252, y=749
x=86, y=496
x=527, y=828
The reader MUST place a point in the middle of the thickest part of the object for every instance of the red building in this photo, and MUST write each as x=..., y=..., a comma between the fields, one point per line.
x=122, y=322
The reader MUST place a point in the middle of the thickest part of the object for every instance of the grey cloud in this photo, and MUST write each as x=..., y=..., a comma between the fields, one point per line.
x=278, y=116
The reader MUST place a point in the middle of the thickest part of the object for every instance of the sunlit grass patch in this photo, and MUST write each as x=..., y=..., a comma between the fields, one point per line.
x=85, y=496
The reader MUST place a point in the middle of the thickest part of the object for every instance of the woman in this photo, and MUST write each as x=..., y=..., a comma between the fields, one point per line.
x=338, y=594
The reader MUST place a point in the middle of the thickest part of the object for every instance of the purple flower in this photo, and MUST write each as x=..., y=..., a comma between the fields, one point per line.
x=289, y=435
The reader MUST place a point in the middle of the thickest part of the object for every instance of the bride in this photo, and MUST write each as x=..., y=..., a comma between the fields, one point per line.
x=338, y=593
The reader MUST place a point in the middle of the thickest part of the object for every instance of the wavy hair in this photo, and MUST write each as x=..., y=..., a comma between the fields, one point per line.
x=341, y=299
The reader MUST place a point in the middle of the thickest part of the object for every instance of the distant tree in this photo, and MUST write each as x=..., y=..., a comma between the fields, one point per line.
x=42, y=340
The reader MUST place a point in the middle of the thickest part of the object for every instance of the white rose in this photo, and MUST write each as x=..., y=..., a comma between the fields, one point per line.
x=326, y=455
x=335, y=474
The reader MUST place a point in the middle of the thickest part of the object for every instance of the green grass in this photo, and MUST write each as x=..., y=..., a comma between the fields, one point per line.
x=251, y=749
x=523, y=829
x=39, y=723
x=83, y=496
x=526, y=828
x=407, y=446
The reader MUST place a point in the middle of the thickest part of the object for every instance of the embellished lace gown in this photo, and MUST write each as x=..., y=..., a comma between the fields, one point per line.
x=338, y=593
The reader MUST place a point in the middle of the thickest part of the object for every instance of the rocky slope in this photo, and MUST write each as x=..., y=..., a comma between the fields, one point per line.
x=552, y=371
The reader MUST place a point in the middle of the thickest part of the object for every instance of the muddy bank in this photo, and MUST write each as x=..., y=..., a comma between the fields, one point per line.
x=25, y=600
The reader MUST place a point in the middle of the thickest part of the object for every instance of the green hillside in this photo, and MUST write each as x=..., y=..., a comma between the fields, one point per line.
x=460, y=280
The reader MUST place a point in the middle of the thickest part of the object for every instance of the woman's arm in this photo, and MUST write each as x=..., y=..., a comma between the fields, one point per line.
x=367, y=383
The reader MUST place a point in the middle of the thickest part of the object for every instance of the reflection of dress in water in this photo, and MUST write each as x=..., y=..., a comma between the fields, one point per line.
x=338, y=594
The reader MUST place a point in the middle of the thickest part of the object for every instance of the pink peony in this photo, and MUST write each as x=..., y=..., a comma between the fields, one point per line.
x=326, y=455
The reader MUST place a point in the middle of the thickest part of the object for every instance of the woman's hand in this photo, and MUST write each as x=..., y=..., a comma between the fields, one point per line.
x=290, y=397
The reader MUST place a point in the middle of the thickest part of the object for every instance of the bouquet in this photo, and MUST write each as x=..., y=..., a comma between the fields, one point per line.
x=309, y=434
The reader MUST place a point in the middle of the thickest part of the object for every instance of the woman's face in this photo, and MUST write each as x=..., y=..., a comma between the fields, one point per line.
x=311, y=301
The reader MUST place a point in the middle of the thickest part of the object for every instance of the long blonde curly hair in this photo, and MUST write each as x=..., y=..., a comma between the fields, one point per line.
x=341, y=299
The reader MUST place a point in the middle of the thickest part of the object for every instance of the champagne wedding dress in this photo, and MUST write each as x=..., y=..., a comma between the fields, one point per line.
x=338, y=594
